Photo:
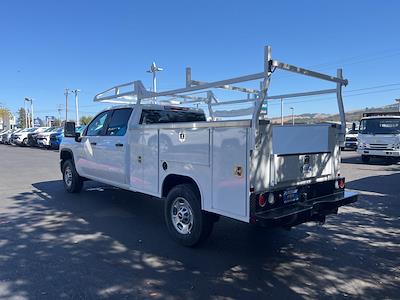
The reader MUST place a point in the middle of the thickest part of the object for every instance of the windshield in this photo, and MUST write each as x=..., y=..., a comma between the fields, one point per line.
x=380, y=126
x=50, y=129
x=352, y=132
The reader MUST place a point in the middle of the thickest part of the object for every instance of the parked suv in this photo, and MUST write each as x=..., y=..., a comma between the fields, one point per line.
x=43, y=138
x=32, y=136
x=21, y=138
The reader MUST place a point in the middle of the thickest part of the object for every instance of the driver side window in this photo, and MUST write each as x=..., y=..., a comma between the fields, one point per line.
x=96, y=127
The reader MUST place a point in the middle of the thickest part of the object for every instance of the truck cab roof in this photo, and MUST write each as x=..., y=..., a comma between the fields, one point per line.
x=381, y=117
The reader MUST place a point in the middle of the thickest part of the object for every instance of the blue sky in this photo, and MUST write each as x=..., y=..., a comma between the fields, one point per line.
x=47, y=46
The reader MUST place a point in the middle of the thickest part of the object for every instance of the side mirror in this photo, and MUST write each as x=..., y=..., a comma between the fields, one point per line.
x=78, y=137
x=69, y=129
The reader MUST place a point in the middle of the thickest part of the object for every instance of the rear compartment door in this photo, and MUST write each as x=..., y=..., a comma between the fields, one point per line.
x=229, y=172
x=302, y=152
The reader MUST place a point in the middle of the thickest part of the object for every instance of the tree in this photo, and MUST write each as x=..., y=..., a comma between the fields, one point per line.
x=21, y=118
x=4, y=113
x=5, y=116
x=84, y=120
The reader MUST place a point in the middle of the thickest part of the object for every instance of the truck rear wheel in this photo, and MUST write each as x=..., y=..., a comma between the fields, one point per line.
x=365, y=158
x=73, y=183
x=185, y=220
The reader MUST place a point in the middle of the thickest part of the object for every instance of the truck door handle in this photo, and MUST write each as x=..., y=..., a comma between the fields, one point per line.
x=119, y=145
x=93, y=143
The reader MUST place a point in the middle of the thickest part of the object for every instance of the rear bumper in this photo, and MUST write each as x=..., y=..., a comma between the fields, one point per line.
x=300, y=212
x=392, y=153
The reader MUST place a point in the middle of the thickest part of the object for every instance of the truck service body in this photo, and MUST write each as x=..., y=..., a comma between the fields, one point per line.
x=248, y=170
x=379, y=135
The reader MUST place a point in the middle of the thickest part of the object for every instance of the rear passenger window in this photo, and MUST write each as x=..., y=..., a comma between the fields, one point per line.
x=119, y=122
x=170, y=116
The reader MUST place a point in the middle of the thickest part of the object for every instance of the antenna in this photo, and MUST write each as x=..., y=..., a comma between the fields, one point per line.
x=154, y=69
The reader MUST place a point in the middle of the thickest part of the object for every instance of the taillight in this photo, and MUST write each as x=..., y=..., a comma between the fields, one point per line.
x=261, y=200
x=340, y=183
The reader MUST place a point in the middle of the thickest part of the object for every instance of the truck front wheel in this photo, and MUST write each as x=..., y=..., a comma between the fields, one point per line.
x=186, y=222
x=365, y=158
x=72, y=181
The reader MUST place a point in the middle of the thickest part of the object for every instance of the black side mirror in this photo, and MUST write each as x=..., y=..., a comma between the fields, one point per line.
x=78, y=137
x=69, y=129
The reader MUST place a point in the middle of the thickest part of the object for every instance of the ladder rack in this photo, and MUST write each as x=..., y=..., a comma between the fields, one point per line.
x=201, y=92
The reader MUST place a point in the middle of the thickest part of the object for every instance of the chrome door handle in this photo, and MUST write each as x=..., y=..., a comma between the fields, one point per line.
x=93, y=143
x=119, y=145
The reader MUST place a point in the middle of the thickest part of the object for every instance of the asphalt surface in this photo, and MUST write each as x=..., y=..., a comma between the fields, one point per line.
x=109, y=243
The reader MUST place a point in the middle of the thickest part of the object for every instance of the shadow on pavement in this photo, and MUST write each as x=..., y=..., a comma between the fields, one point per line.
x=107, y=242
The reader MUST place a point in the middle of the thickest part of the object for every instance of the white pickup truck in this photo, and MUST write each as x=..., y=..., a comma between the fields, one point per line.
x=379, y=136
x=246, y=169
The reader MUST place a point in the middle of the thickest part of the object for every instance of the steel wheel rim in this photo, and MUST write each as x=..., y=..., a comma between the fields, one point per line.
x=68, y=176
x=182, y=216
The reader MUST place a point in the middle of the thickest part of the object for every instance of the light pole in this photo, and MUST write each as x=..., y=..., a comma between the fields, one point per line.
x=32, y=118
x=76, y=105
x=59, y=109
x=154, y=69
x=292, y=109
x=281, y=111
x=66, y=92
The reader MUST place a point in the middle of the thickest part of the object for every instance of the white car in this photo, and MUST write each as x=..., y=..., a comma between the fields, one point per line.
x=21, y=138
x=6, y=136
x=43, y=139
x=351, y=140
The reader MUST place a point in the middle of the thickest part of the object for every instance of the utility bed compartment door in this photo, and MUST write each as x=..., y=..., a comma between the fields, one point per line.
x=301, y=139
x=300, y=167
x=185, y=145
x=229, y=173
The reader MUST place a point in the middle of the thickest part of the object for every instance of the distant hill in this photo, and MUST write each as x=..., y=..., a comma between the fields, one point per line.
x=351, y=116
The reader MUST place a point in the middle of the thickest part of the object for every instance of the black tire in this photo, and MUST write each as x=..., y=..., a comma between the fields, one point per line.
x=365, y=158
x=73, y=183
x=202, y=223
x=25, y=142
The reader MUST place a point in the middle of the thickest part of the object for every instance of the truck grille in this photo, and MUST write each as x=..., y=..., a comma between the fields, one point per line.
x=379, y=146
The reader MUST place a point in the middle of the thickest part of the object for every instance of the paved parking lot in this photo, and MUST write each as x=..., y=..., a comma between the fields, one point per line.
x=112, y=243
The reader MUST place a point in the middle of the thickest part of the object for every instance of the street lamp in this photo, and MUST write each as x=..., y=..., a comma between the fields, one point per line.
x=154, y=69
x=32, y=119
x=292, y=109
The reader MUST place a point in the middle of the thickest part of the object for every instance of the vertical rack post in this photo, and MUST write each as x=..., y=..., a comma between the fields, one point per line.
x=341, y=107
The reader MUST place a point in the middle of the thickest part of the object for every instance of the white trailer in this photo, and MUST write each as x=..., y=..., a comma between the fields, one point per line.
x=205, y=167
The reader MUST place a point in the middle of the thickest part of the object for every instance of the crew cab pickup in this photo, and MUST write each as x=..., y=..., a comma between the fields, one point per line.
x=205, y=167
